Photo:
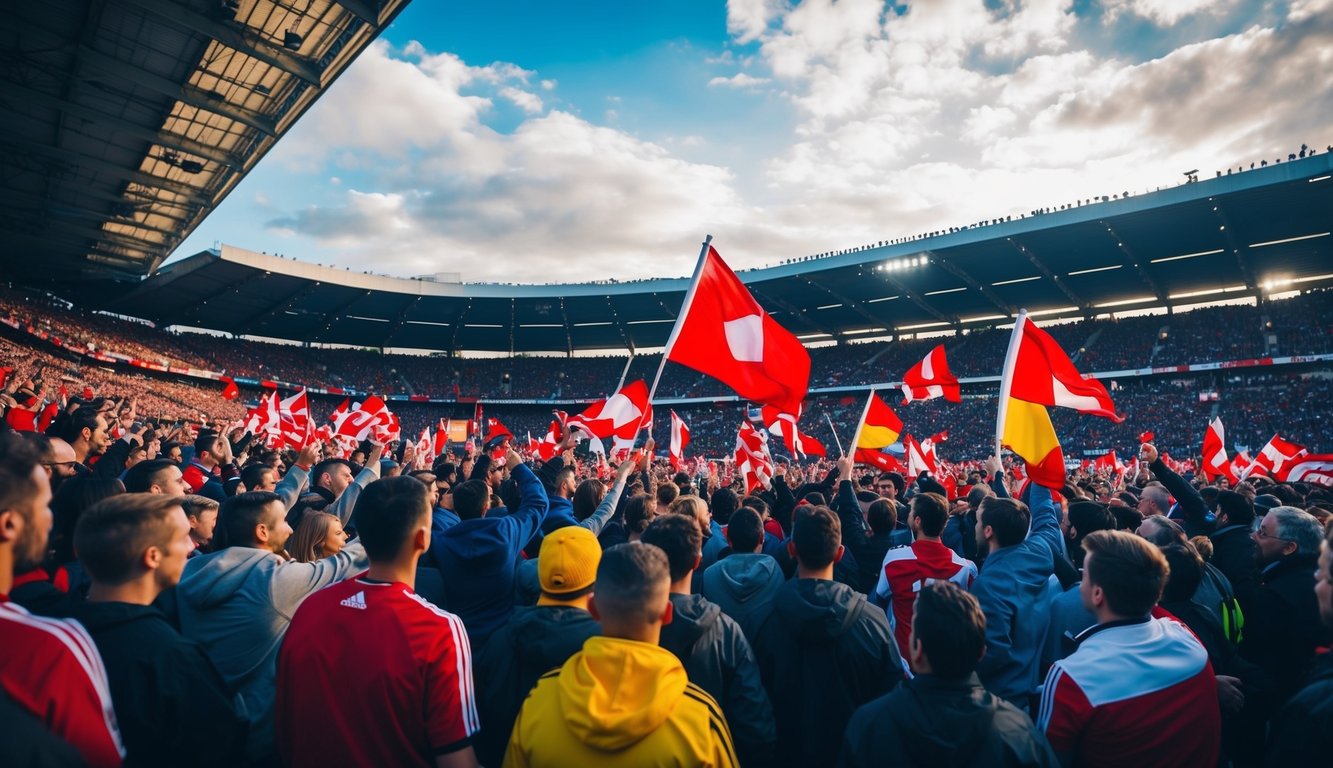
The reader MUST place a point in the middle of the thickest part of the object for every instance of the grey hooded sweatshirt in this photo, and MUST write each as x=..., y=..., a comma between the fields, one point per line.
x=743, y=586
x=237, y=603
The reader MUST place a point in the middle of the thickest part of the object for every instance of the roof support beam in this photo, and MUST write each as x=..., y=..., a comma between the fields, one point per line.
x=365, y=10
x=1059, y=282
x=115, y=125
x=854, y=306
x=1137, y=263
x=107, y=69
x=246, y=325
x=19, y=201
x=963, y=275
x=75, y=159
x=402, y=318
x=236, y=37
x=569, y=337
x=795, y=310
x=1234, y=244
x=337, y=312
x=916, y=299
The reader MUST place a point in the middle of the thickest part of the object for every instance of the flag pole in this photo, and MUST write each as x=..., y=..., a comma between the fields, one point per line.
x=856, y=436
x=834, y=429
x=1007, y=378
x=675, y=329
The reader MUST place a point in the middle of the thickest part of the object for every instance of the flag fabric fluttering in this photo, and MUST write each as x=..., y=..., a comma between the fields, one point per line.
x=295, y=427
x=362, y=419
x=619, y=416
x=1037, y=373
x=494, y=430
x=724, y=333
x=680, y=438
x=441, y=443
x=930, y=379
x=753, y=461
x=1215, y=461
x=1043, y=374
x=229, y=389
x=920, y=458
x=786, y=426
x=878, y=428
x=1314, y=468
x=1273, y=459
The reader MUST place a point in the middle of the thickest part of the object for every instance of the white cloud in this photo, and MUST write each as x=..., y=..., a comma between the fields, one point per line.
x=528, y=102
x=905, y=122
x=1165, y=12
x=738, y=80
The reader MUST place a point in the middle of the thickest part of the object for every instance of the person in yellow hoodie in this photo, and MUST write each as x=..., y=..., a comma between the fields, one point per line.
x=623, y=700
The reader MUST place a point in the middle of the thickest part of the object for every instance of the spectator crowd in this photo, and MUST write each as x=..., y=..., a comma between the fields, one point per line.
x=172, y=594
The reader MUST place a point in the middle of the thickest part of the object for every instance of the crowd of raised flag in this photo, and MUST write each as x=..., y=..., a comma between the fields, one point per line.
x=501, y=601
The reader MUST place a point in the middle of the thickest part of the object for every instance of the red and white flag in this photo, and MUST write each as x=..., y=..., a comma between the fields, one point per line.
x=1273, y=459
x=1215, y=461
x=425, y=449
x=1239, y=463
x=295, y=427
x=920, y=458
x=930, y=379
x=362, y=419
x=880, y=460
x=680, y=437
x=546, y=448
x=619, y=416
x=753, y=461
x=264, y=419
x=1044, y=374
x=723, y=332
x=1109, y=462
x=785, y=426
x=1314, y=468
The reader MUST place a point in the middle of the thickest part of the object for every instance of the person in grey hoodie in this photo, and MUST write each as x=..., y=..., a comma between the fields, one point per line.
x=744, y=582
x=238, y=602
x=716, y=655
x=331, y=478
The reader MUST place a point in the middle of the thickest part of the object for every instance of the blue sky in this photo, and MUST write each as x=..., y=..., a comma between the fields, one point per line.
x=552, y=142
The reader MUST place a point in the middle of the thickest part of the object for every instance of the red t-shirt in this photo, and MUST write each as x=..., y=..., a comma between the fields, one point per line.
x=906, y=570
x=371, y=673
x=51, y=668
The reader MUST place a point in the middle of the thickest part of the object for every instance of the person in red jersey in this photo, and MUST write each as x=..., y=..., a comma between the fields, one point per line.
x=907, y=569
x=1139, y=689
x=48, y=667
x=370, y=672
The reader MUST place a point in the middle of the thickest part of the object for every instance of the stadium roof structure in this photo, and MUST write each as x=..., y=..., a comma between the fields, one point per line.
x=125, y=122
x=1223, y=238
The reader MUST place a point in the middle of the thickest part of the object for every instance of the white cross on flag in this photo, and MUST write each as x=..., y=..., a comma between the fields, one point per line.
x=619, y=416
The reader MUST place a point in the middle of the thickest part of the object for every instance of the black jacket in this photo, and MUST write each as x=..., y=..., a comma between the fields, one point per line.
x=823, y=652
x=867, y=548
x=1195, y=518
x=1282, y=629
x=718, y=659
x=1234, y=556
x=1299, y=734
x=171, y=703
x=932, y=722
x=534, y=641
